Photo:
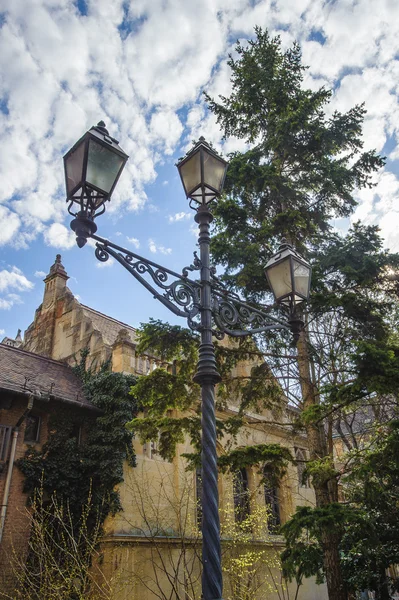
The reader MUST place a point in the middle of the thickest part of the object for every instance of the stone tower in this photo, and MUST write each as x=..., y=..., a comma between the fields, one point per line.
x=63, y=327
x=39, y=337
x=55, y=284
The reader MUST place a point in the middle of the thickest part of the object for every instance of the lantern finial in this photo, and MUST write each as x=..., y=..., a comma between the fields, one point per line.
x=101, y=127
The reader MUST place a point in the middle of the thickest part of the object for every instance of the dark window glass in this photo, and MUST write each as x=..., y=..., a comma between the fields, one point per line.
x=32, y=428
x=5, y=436
x=241, y=495
x=76, y=432
x=198, y=496
x=272, y=503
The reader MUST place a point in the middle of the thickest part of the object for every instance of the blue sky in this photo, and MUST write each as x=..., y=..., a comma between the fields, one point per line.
x=141, y=66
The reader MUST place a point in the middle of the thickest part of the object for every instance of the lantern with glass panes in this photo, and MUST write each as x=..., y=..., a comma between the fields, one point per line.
x=289, y=275
x=202, y=173
x=92, y=169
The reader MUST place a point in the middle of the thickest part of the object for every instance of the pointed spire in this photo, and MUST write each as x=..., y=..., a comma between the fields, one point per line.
x=57, y=268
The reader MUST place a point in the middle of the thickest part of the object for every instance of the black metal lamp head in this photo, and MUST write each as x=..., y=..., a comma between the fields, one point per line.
x=289, y=276
x=92, y=169
x=202, y=173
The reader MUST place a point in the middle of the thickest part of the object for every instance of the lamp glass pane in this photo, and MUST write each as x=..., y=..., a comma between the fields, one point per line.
x=280, y=278
x=74, y=167
x=301, y=278
x=214, y=170
x=191, y=173
x=103, y=166
x=209, y=195
x=96, y=200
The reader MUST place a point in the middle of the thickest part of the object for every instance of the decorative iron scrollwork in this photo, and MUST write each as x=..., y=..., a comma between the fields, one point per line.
x=195, y=266
x=238, y=319
x=101, y=254
x=178, y=293
x=182, y=295
x=219, y=335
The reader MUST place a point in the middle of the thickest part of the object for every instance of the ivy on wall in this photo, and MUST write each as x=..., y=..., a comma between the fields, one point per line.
x=74, y=469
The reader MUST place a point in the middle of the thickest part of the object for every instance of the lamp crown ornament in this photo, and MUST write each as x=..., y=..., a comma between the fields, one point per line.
x=102, y=127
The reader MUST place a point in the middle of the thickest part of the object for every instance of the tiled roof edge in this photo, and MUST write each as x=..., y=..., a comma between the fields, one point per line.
x=25, y=392
x=107, y=316
x=35, y=355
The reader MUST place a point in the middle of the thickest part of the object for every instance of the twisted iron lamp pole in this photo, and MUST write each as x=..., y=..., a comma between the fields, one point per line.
x=207, y=376
x=208, y=307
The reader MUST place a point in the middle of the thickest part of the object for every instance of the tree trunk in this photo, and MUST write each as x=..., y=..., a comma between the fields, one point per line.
x=382, y=592
x=332, y=566
x=326, y=491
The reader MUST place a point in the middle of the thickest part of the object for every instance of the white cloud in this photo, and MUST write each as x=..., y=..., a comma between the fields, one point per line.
x=61, y=72
x=165, y=129
x=58, y=236
x=91, y=243
x=152, y=246
x=108, y=263
x=178, y=217
x=12, y=281
x=5, y=304
x=169, y=69
x=389, y=225
x=10, y=223
x=40, y=274
x=158, y=249
x=15, y=298
x=378, y=206
x=134, y=241
x=194, y=229
x=2, y=331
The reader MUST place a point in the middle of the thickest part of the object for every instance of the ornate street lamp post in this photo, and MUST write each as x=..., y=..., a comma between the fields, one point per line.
x=92, y=169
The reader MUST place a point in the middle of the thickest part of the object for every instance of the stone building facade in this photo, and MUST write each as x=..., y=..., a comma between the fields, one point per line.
x=143, y=543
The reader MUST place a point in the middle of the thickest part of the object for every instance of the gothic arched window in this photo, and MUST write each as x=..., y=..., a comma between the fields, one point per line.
x=272, y=502
x=241, y=496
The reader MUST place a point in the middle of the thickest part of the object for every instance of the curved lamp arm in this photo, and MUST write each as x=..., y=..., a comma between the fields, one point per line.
x=179, y=294
x=182, y=295
x=239, y=319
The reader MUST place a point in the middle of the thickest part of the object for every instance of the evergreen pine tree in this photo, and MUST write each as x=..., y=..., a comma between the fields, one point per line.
x=301, y=170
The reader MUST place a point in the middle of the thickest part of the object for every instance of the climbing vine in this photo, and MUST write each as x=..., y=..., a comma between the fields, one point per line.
x=84, y=453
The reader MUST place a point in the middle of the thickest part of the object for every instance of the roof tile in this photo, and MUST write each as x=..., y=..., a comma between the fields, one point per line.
x=22, y=371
